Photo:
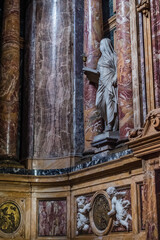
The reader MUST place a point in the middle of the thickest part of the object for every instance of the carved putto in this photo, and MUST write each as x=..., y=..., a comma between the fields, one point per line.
x=119, y=207
x=83, y=214
x=106, y=97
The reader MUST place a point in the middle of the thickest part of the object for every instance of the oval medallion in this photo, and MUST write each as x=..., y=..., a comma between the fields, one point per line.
x=10, y=217
x=100, y=210
x=100, y=221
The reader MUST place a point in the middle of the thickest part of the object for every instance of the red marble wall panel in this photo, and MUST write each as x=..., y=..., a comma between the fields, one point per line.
x=93, y=32
x=9, y=84
x=155, y=23
x=52, y=218
x=48, y=80
x=53, y=85
x=124, y=68
x=27, y=144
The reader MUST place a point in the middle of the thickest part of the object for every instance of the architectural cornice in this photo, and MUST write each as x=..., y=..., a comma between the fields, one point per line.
x=146, y=140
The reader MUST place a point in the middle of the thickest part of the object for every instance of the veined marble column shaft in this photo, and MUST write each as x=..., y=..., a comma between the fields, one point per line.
x=48, y=126
x=93, y=32
x=124, y=73
x=155, y=23
x=9, y=80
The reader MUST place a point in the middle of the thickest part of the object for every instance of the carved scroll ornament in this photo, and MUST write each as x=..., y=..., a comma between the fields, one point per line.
x=144, y=7
x=151, y=126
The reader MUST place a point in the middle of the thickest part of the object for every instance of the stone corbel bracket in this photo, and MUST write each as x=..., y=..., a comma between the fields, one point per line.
x=144, y=7
x=146, y=140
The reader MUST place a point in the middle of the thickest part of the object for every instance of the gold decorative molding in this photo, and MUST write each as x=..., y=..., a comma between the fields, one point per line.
x=144, y=7
x=111, y=24
x=12, y=218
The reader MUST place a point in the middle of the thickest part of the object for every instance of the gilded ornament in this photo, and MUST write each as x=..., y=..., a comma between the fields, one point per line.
x=10, y=217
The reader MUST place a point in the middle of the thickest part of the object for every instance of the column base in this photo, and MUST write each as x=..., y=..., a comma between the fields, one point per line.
x=105, y=142
x=8, y=163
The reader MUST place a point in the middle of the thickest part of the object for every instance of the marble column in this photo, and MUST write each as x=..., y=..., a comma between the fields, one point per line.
x=134, y=62
x=125, y=99
x=9, y=82
x=93, y=32
x=48, y=88
x=142, y=79
x=155, y=25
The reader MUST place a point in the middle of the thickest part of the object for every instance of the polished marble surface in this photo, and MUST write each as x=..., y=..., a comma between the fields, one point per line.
x=51, y=172
x=124, y=68
x=93, y=33
x=155, y=24
x=9, y=84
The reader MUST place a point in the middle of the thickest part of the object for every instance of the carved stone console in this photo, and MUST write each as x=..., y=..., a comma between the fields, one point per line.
x=147, y=139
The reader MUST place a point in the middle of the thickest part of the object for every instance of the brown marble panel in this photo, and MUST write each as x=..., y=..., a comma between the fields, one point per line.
x=142, y=207
x=124, y=68
x=155, y=24
x=158, y=196
x=9, y=84
x=151, y=220
x=93, y=32
x=52, y=218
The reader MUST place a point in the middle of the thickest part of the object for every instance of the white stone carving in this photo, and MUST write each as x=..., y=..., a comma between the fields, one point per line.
x=106, y=97
x=83, y=214
x=119, y=207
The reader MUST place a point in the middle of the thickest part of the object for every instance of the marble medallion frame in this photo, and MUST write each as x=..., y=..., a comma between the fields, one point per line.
x=93, y=226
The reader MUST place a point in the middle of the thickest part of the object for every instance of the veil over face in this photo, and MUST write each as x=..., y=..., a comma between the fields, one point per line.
x=106, y=48
x=108, y=56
